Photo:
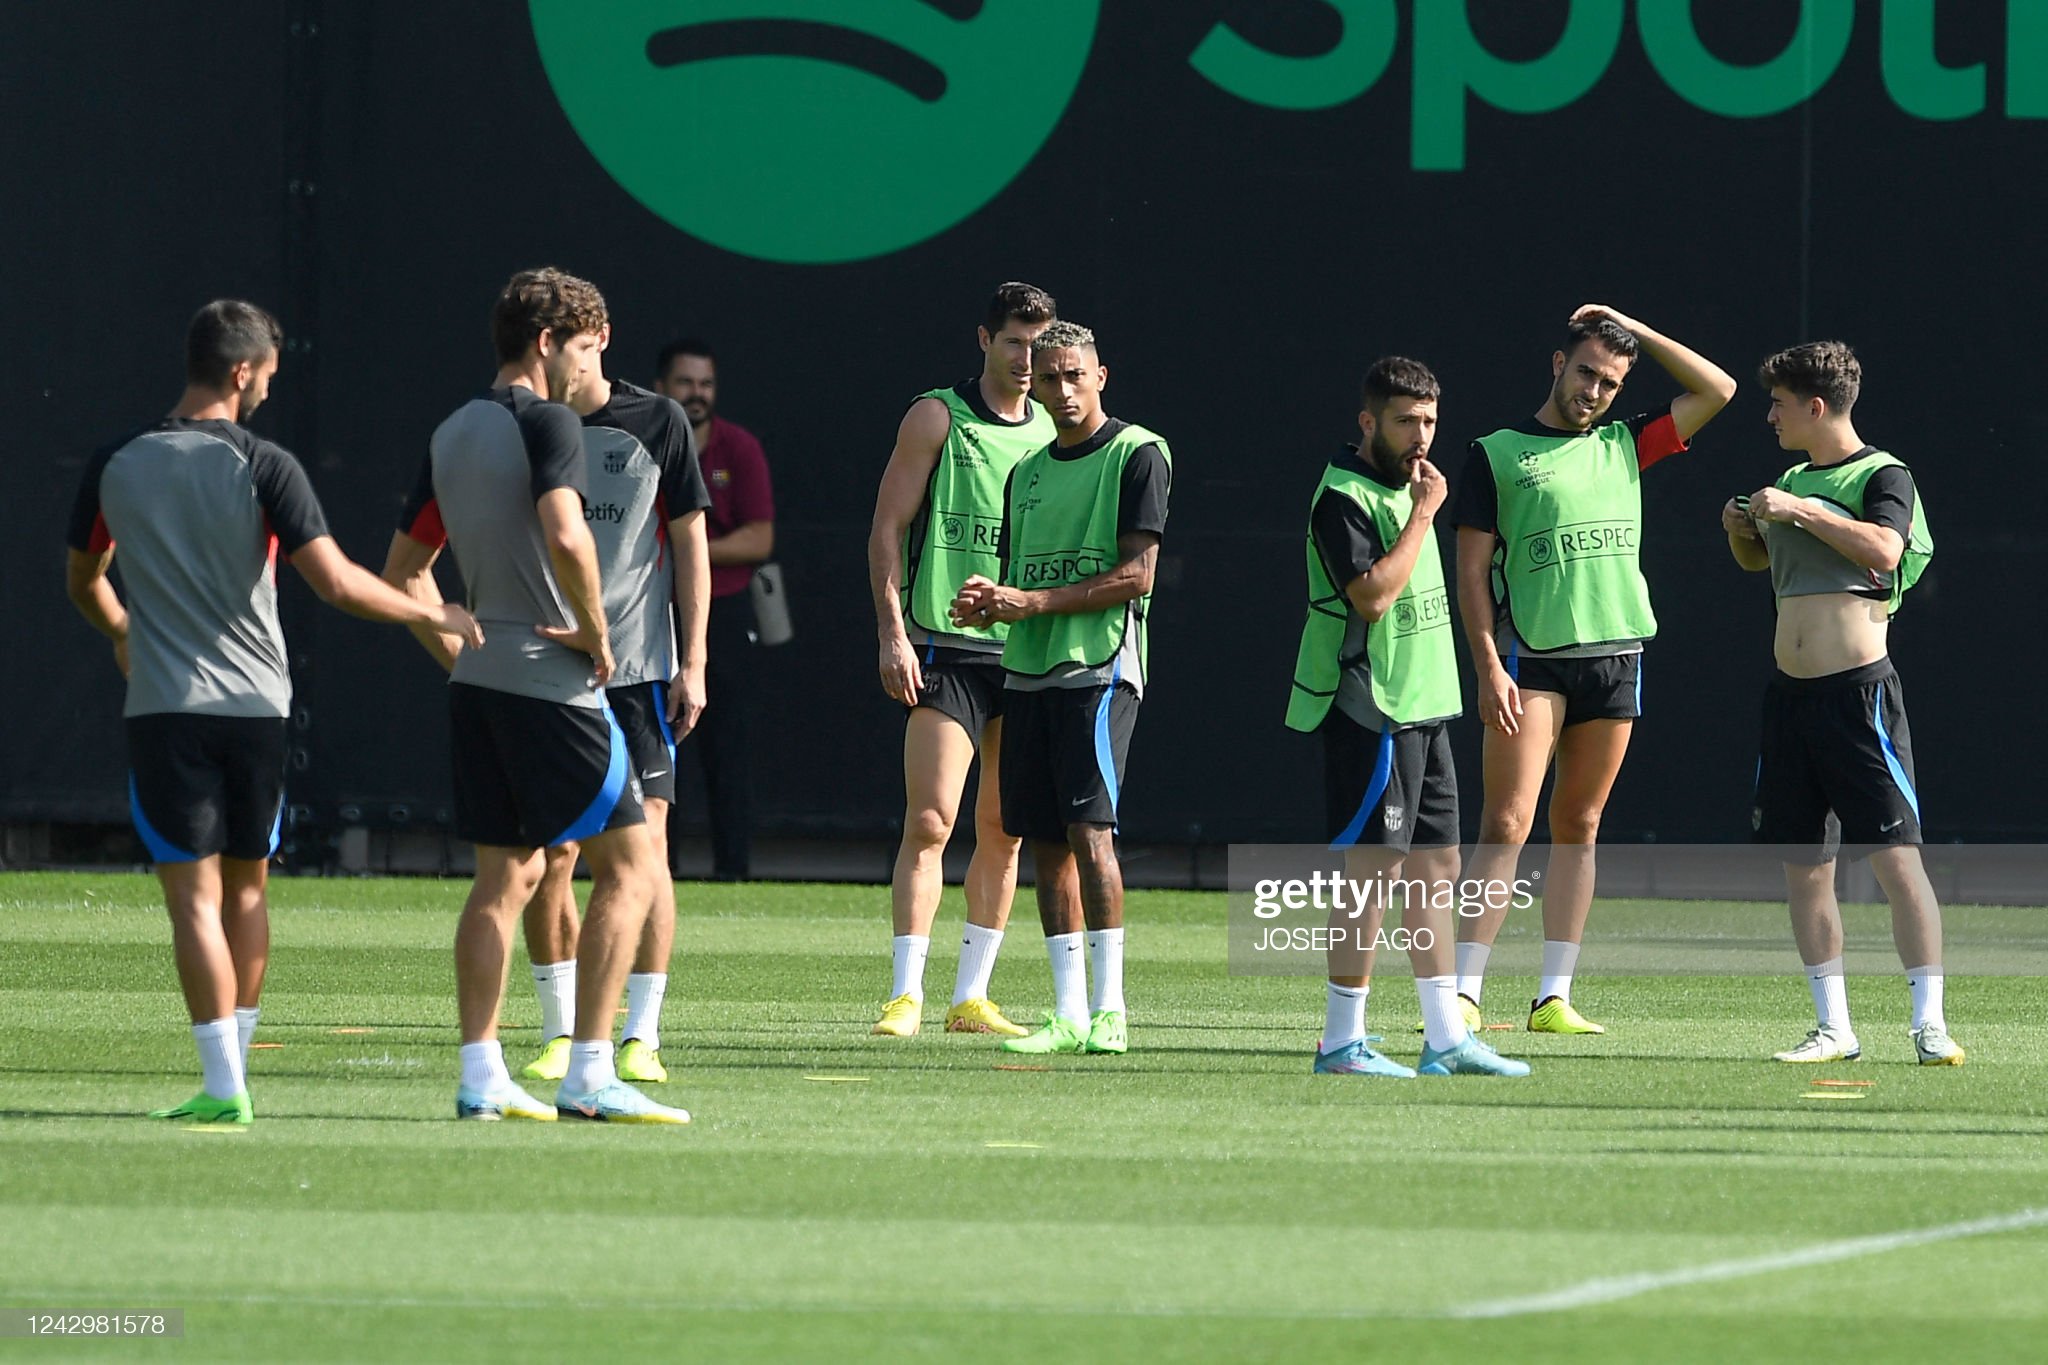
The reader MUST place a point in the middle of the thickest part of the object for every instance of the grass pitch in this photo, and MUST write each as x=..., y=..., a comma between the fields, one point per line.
x=1656, y=1194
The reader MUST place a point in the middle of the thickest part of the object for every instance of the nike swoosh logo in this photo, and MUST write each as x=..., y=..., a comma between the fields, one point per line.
x=1083, y=800
x=1887, y=829
x=650, y=776
x=588, y=1111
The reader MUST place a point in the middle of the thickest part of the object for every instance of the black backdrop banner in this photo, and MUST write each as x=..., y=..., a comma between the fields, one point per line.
x=1247, y=202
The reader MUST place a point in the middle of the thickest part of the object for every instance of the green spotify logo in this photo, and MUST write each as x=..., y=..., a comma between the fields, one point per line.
x=836, y=130
x=813, y=132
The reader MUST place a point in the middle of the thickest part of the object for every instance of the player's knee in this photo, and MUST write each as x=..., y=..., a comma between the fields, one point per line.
x=1506, y=825
x=1581, y=826
x=927, y=828
x=1091, y=843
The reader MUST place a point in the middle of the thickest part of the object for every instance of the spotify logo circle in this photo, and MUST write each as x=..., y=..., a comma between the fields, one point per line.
x=832, y=130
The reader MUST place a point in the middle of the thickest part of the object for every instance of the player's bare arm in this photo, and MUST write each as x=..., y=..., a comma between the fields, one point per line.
x=689, y=537
x=573, y=555
x=91, y=591
x=751, y=542
x=341, y=582
x=1500, y=701
x=1708, y=387
x=409, y=567
x=1372, y=593
x=1863, y=543
x=1745, y=542
x=919, y=439
x=981, y=601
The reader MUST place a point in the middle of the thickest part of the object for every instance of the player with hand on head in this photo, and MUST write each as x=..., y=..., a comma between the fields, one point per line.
x=1550, y=516
x=1843, y=536
x=1377, y=678
x=1082, y=521
x=198, y=508
x=539, y=760
x=937, y=517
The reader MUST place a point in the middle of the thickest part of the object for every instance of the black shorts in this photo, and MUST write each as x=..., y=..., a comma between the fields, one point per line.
x=1063, y=758
x=964, y=684
x=1604, y=687
x=1835, y=764
x=1392, y=789
x=642, y=712
x=201, y=785
x=531, y=773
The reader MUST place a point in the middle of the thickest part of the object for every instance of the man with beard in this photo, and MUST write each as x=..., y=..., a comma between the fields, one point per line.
x=1556, y=611
x=741, y=528
x=1377, y=677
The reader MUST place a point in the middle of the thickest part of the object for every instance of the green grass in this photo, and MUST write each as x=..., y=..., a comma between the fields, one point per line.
x=1203, y=1197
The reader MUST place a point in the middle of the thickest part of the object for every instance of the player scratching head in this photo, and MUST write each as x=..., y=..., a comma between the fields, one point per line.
x=1813, y=388
x=1587, y=374
x=1067, y=379
x=550, y=328
x=1016, y=315
x=230, y=357
x=1397, y=417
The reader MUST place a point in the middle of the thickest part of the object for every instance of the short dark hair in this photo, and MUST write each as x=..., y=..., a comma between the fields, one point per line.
x=543, y=300
x=225, y=333
x=1063, y=335
x=685, y=346
x=1827, y=370
x=1024, y=302
x=1396, y=376
x=1607, y=332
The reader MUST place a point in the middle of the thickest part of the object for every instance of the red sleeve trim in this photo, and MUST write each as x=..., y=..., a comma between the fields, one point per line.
x=1658, y=439
x=102, y=540
x=426, y=527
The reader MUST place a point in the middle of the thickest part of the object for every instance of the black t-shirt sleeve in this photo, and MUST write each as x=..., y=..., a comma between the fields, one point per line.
x=1888, y=499
x=1345, y=537
x=682, y=474
x=1477, y=503
x=421, y=518
x=1142, y=497
x=87, y=531
x=287, y=497
x=554, y=449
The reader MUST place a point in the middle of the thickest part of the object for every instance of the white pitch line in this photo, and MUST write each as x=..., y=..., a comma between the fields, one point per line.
x=1611, y=1288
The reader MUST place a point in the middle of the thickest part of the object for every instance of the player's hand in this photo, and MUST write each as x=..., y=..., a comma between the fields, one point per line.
x=1500, y=701
x=451, y=619
x=686, y=699
x=971, y=605
x=901, y=676
x=1775, y=504
x=1426, y=488
x=1594, y=312
x=596, y=642
x=1736, y=522
x=121, y=655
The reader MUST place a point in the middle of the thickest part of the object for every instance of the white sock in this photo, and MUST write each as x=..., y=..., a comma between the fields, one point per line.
x=1106, y=966
x=1069, y=977
x=1830, y=993
x=590, y=1067
x=1925, y=983
x=1343, y=1015
x=977, y=961
x=908, y=952
x=245, y=1030
x=1443, y=1023
x=1559, y=959
x=220, y=1057
x=644, y=991
x=1472, y=969
x=483, y=1067
x=555, y=983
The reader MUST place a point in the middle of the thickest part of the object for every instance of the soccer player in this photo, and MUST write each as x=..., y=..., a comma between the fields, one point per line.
x=937, y=517
x=199, y=508
x=1843, y=536
x=646, y=513
x=1082, y=521
x=538, y=758
x=1377, y=676
x=1556, y=611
